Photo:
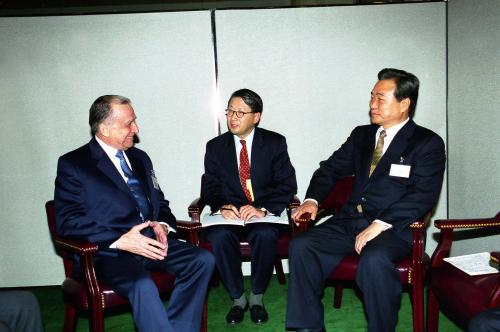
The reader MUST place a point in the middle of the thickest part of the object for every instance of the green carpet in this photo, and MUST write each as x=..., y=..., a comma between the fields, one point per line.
x=349, y=318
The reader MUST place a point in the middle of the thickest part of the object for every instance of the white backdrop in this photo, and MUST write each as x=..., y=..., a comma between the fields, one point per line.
x=313, y=67
x=52, y=69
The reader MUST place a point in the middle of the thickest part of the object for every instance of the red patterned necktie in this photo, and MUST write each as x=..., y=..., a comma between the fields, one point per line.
x=245, y=170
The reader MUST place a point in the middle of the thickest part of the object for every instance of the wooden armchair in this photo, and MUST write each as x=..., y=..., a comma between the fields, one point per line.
x=460, y=296
x=412, y=269
x=192, y=232
x=85, y=293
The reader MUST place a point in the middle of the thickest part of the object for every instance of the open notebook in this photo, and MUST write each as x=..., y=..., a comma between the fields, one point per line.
x=217, y=219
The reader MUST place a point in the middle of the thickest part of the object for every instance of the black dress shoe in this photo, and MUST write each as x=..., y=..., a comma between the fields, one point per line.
x=311, y=330
x=258, y=314
x=236, y=314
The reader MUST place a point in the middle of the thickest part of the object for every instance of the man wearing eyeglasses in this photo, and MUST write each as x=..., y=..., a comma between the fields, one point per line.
x=248, y=174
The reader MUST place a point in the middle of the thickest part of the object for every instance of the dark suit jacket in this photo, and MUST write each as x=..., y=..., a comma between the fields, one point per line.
x=396, y=200
x=272, y=174
x=94, y=203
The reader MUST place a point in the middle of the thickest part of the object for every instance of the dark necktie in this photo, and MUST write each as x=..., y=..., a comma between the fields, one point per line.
x=377, y=153
x=245, y=170
x=135, y=187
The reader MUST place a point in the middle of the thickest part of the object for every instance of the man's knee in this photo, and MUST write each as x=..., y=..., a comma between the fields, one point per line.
x=204, y=259
x=23, y=302
x=373, y=260
x=265, y=233
x=144, y=285
x=298, y=245
x=219, y=235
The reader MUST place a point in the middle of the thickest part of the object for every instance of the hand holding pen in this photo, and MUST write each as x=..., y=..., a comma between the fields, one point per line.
x=229, y=211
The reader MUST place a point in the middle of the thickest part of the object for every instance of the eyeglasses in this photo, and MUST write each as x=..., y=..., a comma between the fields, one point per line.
x=239, y=114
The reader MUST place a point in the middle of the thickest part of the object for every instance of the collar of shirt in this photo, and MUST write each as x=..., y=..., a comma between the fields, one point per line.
x=249, y=141
x=391, y=133
x=111, y=153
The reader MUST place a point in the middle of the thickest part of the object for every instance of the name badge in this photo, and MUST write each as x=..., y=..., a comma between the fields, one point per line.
x=402, y=171
x=156, y=185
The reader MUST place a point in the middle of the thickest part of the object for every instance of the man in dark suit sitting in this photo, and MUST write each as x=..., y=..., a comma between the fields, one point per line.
x=398, y=168
x=248, y=174
x=107, y=193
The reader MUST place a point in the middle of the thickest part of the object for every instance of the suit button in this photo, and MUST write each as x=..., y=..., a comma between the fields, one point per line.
x=363, y=199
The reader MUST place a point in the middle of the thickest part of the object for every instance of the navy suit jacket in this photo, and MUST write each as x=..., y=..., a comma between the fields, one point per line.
x=273, y=177
x=396, y=200
x=94, y=203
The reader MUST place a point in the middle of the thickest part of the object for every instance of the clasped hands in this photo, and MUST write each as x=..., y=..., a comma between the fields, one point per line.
x=369, y=233
x=244, y=213
x=133, y=241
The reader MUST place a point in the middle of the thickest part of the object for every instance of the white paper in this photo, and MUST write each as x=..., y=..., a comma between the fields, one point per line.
x=473, y=264
x=217, y=219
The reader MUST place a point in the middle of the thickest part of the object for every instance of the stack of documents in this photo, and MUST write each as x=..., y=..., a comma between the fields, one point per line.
x=474, y=264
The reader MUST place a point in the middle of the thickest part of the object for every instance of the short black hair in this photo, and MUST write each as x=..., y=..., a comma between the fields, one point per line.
x=101, y=109
x=250, y=98
x=407, y=85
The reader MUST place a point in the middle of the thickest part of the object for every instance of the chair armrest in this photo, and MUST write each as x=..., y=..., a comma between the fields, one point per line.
x=190, y=231
x=85, y=250
x=301, y=224
x=418, y=228
x=195, y=209
x=495, y=255
x=467, y=223
x=447, y=226
x=81, y=248
x=295, y=203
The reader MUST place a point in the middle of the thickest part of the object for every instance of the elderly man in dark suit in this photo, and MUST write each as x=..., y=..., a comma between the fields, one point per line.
x=107, y=193
x=398, y=168
x=248, y=174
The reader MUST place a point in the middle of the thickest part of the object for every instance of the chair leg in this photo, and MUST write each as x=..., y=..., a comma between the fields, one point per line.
x=417, y=302
x=337, y=296
x=432, y=311
x=204, y=317
x=278, y=265
x=215, y=281
x=96, y=320
x=69, y=318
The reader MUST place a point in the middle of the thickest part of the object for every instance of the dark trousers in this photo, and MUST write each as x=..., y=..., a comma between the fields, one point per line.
x=129, y=276
x=225, y=241
x=313, y=256
x=486, y=321
x=19, y=312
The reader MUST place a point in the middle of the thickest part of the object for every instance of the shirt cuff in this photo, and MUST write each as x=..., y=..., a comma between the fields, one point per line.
x=170, y=229
x=311, y=200
x=113, y=245
x=383, y=223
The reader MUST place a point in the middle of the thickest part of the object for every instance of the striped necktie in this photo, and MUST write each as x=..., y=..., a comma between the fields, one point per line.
x=377, y=153
x=135, y=187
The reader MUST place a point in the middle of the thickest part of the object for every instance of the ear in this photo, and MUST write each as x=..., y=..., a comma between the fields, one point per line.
x=104, y=129
x=256, y=118
x=405, y=104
